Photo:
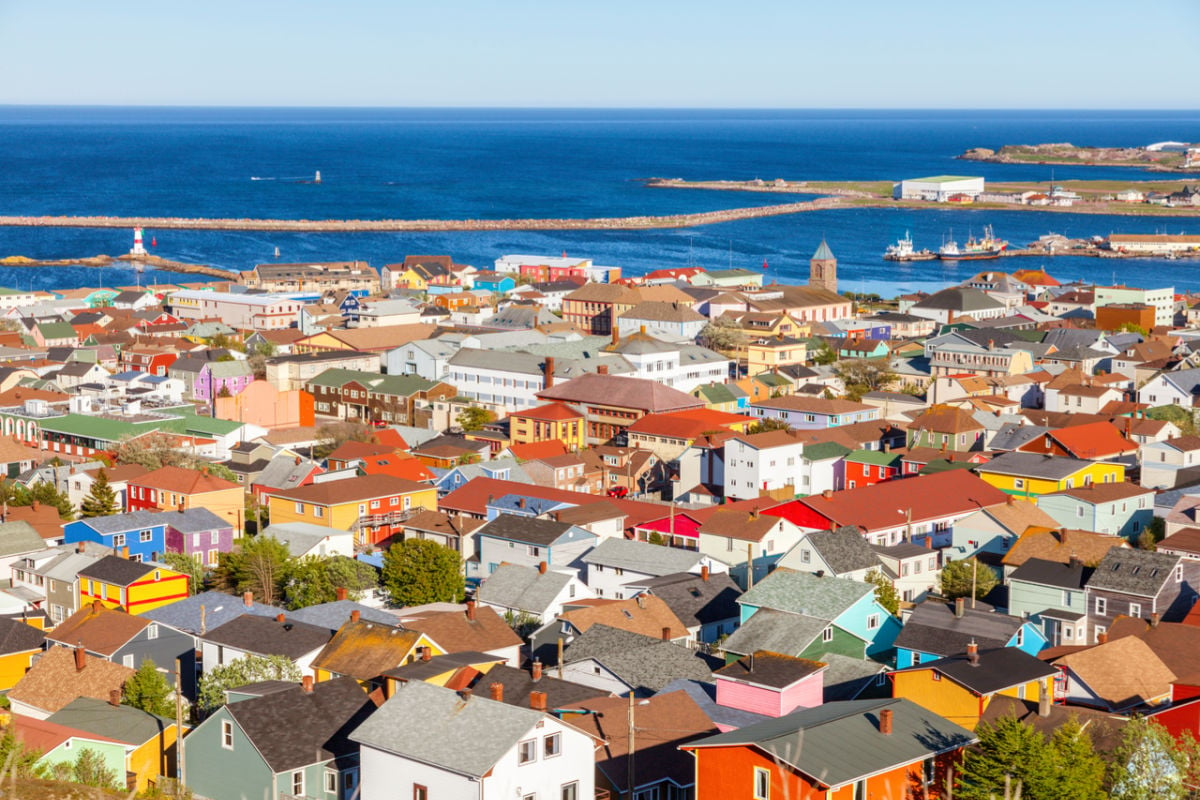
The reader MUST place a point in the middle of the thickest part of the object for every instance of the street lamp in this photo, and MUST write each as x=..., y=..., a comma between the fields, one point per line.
x=907, y=512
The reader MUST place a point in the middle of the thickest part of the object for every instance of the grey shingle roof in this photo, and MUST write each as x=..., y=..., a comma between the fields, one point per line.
x=1052, y=573
x=19, y=537
x=1034, y=465
x=194, y=520
x=218, y=608
x=641, y=662
x=846, y=677
x=705, y=695
x=123, y=723
x=115, y=570
x=464, y=737
x=1011, y=436
x=543, y=532
x=16, y=636
x=335, y=614
x=520, y=587
x=801, y=593
x=643, y=557
x=1138, y=572
x=264, y=636
x=133, y=520
x=844, y=550
x=842, y=741
x=776, y=631
x=933, y=628
x=694, y=600
x=998, y=668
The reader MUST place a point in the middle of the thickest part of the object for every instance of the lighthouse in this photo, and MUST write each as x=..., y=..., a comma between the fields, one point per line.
x=139, y=249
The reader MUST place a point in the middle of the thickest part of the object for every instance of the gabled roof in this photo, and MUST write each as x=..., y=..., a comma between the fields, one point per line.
x=17, y=637
x=350, y=490
x=643, y=557
x=934, y=628
x=267, y=636
x=842, y=742
x=184, y=481
x=206, y=611
x=528, y=530
x=523, y=588
x=844, y=550
x=1071, y=575
x=772, y=670
x=118, y=571
x=1137, y=572
x=365, y=650
x=1060, y=545
x=1034, y=465
x=693, y=599
x=641, y=662
x=53, y=681
x=803, y=593
x=99, y=629
x=995, y=669
x=102, y=719
x=776, y=631
x=1124, y=672
x=455, y=633
x=612, y=390
x=645, y=614
x=518, y=683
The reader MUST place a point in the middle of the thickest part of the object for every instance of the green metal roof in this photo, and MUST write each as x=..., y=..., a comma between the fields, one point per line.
x=823, y=252
x=875, y=457
x=102, y=428
x=825, y=451
x=56, y=330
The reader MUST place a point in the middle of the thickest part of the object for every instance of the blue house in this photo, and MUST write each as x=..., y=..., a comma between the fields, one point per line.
x=503, y=469
x=940, y=630
x=143, y=532
x=807, y=615
x=495, y=282
x=349, y=304
x=520, y=505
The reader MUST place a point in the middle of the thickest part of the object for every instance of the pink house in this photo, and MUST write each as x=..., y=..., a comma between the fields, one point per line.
x=770, y=684
x=677, y=530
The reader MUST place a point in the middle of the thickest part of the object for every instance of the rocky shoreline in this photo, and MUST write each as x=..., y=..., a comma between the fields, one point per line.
x=1066, y=154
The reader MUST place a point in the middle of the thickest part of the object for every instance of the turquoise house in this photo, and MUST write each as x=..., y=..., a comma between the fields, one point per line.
x=495, y=282
x=936, y=629
x=1117, y=509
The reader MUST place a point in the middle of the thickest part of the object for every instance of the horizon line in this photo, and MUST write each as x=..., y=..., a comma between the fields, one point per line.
x=253, y=106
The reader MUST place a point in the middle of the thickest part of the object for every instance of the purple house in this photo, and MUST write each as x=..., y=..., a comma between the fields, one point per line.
x=216, y=377
x=771, y=684
x=199, y=533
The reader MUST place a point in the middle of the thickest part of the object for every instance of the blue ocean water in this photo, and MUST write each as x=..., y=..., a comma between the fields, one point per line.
x=501, y=163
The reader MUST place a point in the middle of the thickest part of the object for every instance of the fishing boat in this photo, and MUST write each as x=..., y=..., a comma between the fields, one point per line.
x=985, y=247
x=903, y=250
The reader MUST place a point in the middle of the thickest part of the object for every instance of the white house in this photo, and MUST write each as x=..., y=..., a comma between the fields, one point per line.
x=614, y=563
x=249, y=634
x=429, y=743
x=1178, y=388
x=304, y=539
x=759, y=462
x=429, y=358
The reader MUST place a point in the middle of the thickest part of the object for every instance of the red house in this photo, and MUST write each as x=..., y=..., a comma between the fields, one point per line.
x=868, y=467
x=150, y=359
x=838, y=751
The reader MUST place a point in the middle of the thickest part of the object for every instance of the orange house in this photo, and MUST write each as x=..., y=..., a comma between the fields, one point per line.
x=549, y=422
x=262, y=404
x=838, y=751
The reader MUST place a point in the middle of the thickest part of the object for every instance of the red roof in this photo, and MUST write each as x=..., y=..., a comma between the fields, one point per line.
x=885, y=505
x=688, y=424
x=1094, y=440
x=184, y=481
x=534, y=451
x=399, y=466
x=550, y=412
x=392, y=438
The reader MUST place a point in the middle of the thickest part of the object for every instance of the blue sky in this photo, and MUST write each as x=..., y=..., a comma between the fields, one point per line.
x=615, y=53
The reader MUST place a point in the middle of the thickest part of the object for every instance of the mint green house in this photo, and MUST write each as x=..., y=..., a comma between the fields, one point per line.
x=62, y=745
x=1118, y=509
x=1054, y=597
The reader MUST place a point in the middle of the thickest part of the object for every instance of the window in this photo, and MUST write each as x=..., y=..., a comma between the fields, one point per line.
x=827, y=634
x=1018, y=483
x=1020, y=636
x=570, y=791
x=127, y=660
x=394, y=501
x=552, y=745
x=762, y=784
x=118, y=540
x=145, y=536
x=331, y=781
x=805, y=556
x=527, y=751
x=1135, y=610
x=299, y=508
x=872, y=622
x=374, y=504
x=1101, y=606
x=151, y=631
x=227, y=734
x=1179, y=573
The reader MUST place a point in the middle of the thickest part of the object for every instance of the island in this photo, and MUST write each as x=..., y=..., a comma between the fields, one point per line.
x=1158, y=157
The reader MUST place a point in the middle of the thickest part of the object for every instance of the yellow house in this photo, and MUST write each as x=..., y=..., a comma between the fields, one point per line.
x=176, y=488
x=769, y=353
x=960, y=688
x=149, y=740
x=133, y=586
x=1034, y=474
x=551, y=422
x=372, y=506
x=21, y=643
x=366, y=651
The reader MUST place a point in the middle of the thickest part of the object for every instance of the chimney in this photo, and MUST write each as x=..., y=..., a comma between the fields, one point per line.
x=973, y=653
x=179, y=508
x=125, y=552
x=616, y=336
x=297, y=461
x=885, y=722
x=114, y=697
x=602, y=369
x=248, y=599
x=471, y=610
x=1102, y=638
x=1009, y=500
x=827, y=494
x=537, y=701
x=1155, y=618
x=704, y=573
x=1074, y=561
x=960, y=606
x=280, y=617
x=341, y=593
x=548, y=381
x=81, y=547
x=35, y=505
x=465, y=694
x=535, y=670
x=520, y=502
x=80, y=658
x=1044, y=701
x=426, y=653
x=496, y=690
x=666, y=633
x=203, y=620
x=307, y=683
x=542, y=568
x=355, y=615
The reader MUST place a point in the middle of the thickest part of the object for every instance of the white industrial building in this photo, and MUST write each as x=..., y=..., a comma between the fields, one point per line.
x=1163, y=300
x=938, y=188
x=260, y=312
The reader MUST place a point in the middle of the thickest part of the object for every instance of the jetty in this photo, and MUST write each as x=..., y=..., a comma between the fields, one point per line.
x=162, y=264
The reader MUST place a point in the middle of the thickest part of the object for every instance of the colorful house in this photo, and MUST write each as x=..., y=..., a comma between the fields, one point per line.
x=851, y=750
x=373, y=506
x=132, y=585
x=261, y=404
x=936, y=630
x=199, y=533
x=59, y=744
x=174, y=488
x=867, y=467
x=19, y=643
x=149, y=740
x=960, y=688
x=140, y=535
x=1118, y=509
x=1032, y=475
x=365, y=650
x=770, y=684
x=549, y=422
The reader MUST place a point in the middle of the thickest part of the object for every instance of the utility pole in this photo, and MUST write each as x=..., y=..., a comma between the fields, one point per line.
x=629, y=785
x=179, y=771
x=749, y=566
x=974, y=578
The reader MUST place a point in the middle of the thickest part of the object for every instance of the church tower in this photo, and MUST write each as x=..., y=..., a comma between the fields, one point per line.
x=822, y=269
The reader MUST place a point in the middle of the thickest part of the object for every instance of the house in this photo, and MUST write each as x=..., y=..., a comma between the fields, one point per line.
x=961, y=687
x=135, y=586
x=1175, y=462
x=706, y=603
x=867, y=467
x=1060, y=545
x=1117, y=509
x=805, y=615
x=1140, y=584
x=303, y=539
x=18, y=540
x=854, y=749
x=60, y=676
x=1032, y=474
x=611, y=404
x=476, y=629
x=54, y=573
x=934, y=630
x=622, y=662
x=549, y=422
x=514, y=539
x=20, y=643
x=727, y=532
x=199, y=533
x=372, y=506
x=770, y=684
x=947, y=427
x=172, y=488
x=79, y=485
x=1179, y=388
x=365, y=396
x=1052, y=596
x=250, y=634
x=1124, y=675
x=1094, y=441
x=514, y=752
x=842, y=553
x=535, y=594
x=365, y=650
x=645, y=614
x=149, y=740
x=614, y=563
x=290, y=743
x=59, y=745
x=805, y=413
x=142, y=532
x=453, y=531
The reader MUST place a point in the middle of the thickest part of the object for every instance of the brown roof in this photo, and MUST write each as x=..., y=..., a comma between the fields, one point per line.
x=53, y=682
x=120, y=473
x=365, y=650
x=44, y=519
x=185, y=481
x=945, y=419
x=620, y=392
x=454, y=633
x=1104, y=728
x=645, y=614
x=350, y=490
x=386, y=337
x=748, y=526
x=446, y=525
x=1174, y=642
x=99, y=629
x=1104, y=492
x=1059, y=544
x=1123, y=673
x=1184, y=539
x=1019, y=515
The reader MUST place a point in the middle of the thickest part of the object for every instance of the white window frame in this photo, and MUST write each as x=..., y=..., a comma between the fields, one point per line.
x=226, y=734
x=1101, y=606
x=145, y=536
x=762, y=784
x=827, y=634
x=526, y=748
x=553, y=740
x=331, y=782
x=298, y=783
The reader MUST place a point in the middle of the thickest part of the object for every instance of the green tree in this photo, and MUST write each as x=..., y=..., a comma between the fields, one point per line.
x=15, y=757
x=885, y=592
x=316, y=579
x=825, y=354
x=101, y=500
x=257, y=564
x=46, y=494
x=1078, y=768
x=473, y=418
x=769, y=424
x=239, y=672
x=862, y=375
x=722, y=334
x=957, y=577
x=1146, y=765
x=188, y=565
x=148, y=690
x=418, y=571
x=1007, y=748
x=90, y=770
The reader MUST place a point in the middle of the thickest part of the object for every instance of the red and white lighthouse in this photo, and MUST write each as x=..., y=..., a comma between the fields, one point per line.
x=139, y=249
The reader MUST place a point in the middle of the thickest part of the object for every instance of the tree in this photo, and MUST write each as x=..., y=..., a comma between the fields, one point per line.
x=1146, y=764
x=885, y=592
x=722, y=334
x=316, y=579
x=473, y=418
x=16, y=494
x=418, y=571
x=148, y=690
x=90, y=770
x=239, y=672
x=862, y=375
x=333, y=435
x=188, y=565
x=101, y=500
x=257, y=564
x=15, y=758
x=957, y=577
x=1078, y=768
x=769, y=424
x=825, y=354
x=1007, y=748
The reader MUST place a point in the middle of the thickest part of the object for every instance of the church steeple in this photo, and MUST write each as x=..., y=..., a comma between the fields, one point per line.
x=822, y=268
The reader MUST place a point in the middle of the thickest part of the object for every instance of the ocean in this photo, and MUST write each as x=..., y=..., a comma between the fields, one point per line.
x=502, y=163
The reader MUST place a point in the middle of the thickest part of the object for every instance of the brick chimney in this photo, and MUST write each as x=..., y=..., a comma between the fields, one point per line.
x=1155, y=618
x=465, y=694
x=885, y=722
x=537, y=701
x=960, y=606
x=471, y=610
x=520, y=502
x=542, y=568
x=35, y=505
x=81, y=547
x=602, y=369
x=666, y=633
x=307, y=683
x=341, y=593
x=973, y=653
x=280, y=617
x=704, y=574
x=535, y=670
x=97, y=606
x=549, y=376
x=355, y=615
x=1102, y=637
x=426, y=653
x=114, y=697
x=248, y=599
x=496, y=690
x=80, y=658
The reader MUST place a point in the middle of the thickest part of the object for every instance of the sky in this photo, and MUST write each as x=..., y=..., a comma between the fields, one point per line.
x=607, y=53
